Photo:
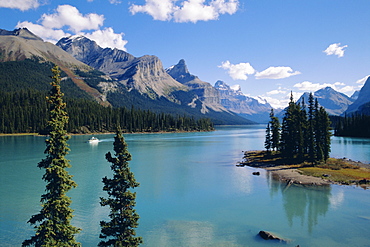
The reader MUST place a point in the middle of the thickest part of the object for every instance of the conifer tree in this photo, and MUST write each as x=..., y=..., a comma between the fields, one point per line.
x=275, y=130
x=268, y=140
x=311, y=129
x=120, y=230
x=290, y=130
x=53, y=223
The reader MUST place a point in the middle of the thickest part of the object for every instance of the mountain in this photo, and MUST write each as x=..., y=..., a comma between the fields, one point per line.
x=143, y=82
x=21, y=45
x=354, y=96
x=334, y=102
x=144, y=74
x=248, y=107
x=363, y=98
x=204, y=91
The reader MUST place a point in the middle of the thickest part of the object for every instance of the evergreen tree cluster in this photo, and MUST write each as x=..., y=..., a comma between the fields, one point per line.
x=353, y=126
x=303, y=135
x=26, y=111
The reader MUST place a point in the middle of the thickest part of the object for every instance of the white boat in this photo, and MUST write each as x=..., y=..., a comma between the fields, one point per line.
x=93, y=140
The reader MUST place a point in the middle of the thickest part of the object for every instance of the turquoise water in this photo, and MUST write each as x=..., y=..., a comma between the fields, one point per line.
x=191, y=192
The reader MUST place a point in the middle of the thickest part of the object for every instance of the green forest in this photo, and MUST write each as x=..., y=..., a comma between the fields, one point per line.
x=354, y=126
x=25, y=111
x=23, y=106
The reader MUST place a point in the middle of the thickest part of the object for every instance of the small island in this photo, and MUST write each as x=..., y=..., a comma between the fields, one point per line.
x=333, y=171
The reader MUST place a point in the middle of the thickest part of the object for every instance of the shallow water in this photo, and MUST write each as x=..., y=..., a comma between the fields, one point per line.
x=191, y=192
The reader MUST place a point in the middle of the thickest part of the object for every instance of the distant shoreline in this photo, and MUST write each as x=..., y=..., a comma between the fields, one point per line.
x=104, y=133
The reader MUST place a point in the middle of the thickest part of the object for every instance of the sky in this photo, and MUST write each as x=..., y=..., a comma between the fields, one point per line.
x=269, y=48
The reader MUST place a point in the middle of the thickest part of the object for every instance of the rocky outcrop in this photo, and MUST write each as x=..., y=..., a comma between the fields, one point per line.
x=204, y=91
x=248, y=107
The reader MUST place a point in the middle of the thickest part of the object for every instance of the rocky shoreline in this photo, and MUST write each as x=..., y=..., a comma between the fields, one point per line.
x=292, y=175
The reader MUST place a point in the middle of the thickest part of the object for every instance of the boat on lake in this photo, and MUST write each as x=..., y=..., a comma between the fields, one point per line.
x=93, y=140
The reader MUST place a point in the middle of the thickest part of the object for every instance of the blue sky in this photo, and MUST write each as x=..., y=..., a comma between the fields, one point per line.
x=268, y=47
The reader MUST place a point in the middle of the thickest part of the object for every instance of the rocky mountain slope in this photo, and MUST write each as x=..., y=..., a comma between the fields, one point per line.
x=21, y=44
x=204, y=91
x=248, y=107
x=362, y=99
x=144, y=82
x=136, y=82
x=144, y=74
x=333, y=101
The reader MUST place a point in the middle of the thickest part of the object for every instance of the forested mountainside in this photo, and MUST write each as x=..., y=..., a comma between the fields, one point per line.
x=25, y=63
x=24, y=86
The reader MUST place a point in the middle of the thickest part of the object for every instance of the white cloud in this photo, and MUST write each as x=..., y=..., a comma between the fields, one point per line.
x=186, y=10
x=276, y=73
x=47, y=34
x=312, y=87
x=346, y=90
x=335, y=49
x=236, y=87
x=115, y=1
x=277, y=91
x=107, y=38
x=277, y=103
x=161, y=10
x=66, y=16
x=362, y=81
x=19, y=4
x=238, y=71
x=70, y=16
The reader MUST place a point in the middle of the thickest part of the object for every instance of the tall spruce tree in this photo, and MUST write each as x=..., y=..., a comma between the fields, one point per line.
x=290, y=131
x=268, y=140
x=120, y=230
x=275, y=131
x=53, y=223
x=311, y=129
x=326, y=139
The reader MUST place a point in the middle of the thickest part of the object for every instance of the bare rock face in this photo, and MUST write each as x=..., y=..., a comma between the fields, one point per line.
x=204, y=91
x=109, y=61
x=145, y=74
x=248, y=107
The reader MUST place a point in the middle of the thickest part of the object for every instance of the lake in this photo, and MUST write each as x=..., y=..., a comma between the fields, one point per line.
x=191, y=191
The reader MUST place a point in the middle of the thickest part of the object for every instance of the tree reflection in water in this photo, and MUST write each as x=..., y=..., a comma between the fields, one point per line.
x=306, y=203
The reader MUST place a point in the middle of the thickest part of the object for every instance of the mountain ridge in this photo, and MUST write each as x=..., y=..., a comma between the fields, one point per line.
x=363, y=97
x=248, y=107
x=334, y=102
x=21, y=44
x=132, y=72
x=147, y=76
